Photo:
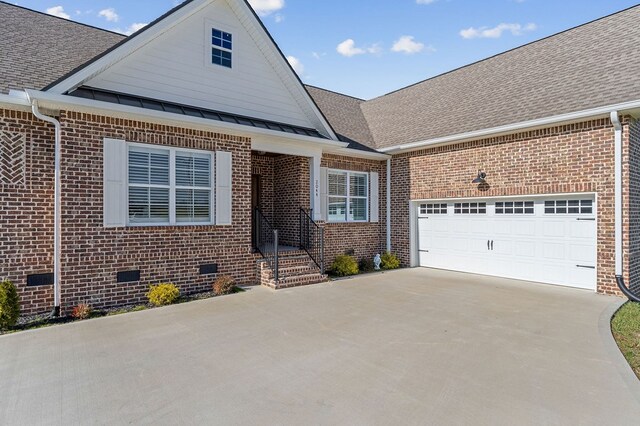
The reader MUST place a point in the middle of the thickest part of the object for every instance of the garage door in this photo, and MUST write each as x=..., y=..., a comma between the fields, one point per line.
x=549, y=240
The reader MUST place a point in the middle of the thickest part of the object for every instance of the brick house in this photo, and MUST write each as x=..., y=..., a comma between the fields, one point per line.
x=191, y=149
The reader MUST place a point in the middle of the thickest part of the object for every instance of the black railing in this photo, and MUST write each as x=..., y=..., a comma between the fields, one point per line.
x=312, y=238
x=266, y=241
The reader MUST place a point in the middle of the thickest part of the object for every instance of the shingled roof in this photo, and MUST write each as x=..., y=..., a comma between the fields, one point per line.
x=589, y=66
x=345, y=115
x=594, y=65
x=37, y=48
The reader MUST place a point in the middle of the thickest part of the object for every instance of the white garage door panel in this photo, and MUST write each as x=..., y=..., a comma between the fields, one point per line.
x=554, y=248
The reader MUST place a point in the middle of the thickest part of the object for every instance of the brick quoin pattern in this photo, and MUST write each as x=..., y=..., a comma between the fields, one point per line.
x=572, y=158
x=26, y=207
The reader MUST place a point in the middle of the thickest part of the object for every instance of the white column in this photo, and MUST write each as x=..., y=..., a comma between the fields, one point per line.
x=314, y=174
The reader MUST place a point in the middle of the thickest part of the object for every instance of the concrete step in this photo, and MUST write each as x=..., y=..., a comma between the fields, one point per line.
x=296, y=281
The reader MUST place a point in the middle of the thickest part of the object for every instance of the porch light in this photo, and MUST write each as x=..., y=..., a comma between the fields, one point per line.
x=482, y=176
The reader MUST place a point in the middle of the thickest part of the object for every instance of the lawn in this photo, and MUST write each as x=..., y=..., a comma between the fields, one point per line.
x=626, y=330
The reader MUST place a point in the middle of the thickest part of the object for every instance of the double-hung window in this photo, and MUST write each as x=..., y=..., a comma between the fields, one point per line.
x=348, y=194
x=169, y=186
x=221, y=48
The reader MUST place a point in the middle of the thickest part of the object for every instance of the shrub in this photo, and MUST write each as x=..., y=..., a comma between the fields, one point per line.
x=366, y=264
x=344, y=265
x=163, y=294
x=223, y=285
x=82, y=311
x=9, y=305
x=389, y=261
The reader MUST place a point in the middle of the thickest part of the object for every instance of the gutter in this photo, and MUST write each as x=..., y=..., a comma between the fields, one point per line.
x=601, y=112
x=57, y=208
x=619, y=270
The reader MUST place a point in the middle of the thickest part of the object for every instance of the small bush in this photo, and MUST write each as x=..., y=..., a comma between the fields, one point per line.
x=344, y=266
x=82, y=311
x=9, y=305
x=366, y=265
x=389, y=261
x=223, y=285
x=163, y=294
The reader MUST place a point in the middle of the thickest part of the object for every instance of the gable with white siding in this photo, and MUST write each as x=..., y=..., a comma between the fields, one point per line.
x=177, y=67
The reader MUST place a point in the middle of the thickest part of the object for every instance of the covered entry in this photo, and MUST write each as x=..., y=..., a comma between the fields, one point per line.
x=548, y=239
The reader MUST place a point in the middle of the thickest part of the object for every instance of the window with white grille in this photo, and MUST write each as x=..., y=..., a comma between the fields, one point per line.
x=568, y=207
x=433, y=208
x=348, y=194
x=470, y=208
x=515, y=207
x=169, y=186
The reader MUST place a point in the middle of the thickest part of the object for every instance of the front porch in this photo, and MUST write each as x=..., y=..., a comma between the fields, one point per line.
x=284, y=232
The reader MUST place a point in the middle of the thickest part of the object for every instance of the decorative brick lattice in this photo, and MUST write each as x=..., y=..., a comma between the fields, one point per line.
x=12, y=159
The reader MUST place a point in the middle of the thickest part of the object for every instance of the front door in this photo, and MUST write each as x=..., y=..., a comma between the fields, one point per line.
x=255, y=203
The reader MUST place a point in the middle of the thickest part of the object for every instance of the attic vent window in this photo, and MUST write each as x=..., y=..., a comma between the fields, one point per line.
x=222, y=45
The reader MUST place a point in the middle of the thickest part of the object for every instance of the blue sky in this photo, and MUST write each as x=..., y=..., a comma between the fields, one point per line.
x=366, y=48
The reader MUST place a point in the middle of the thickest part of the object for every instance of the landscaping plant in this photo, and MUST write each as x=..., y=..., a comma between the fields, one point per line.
x=163, y=294
x=223, y=285
x=9, y=305
x=82, y=311
x=366, y=265
x=389, y=261
x=344, y=265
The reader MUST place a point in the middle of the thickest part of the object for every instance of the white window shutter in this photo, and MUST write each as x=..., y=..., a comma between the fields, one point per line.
x=324, y=197
x=224, y=172
x=374, y=185
x=115, y=185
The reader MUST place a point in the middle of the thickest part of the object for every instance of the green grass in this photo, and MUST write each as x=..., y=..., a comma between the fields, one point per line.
x=626, y=330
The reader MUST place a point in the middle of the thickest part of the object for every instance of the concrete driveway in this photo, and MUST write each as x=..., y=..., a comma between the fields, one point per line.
x=409, y=347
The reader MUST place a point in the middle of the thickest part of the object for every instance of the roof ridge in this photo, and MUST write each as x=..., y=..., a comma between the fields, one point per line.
x=505, y=52
x=62, y=19
x=337, y=93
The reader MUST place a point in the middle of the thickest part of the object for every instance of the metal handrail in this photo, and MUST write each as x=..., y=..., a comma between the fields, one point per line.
x=312, y=238
x=266, y=241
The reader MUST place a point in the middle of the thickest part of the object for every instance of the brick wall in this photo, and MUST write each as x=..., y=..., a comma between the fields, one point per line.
x=92, y=254
x=364, y=239
x=292, y=191
x=26, y=205
x=632, y=206
x=564, y=159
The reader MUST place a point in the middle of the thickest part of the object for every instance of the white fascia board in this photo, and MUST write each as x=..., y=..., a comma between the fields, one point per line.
x=286, y=147
x=367, y=155
x=632, y=107
x=269, y=48
x=77, y=79
x=64, y=102
x=14, y=102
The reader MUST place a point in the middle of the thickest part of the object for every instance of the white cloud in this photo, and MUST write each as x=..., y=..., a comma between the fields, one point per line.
x=408, y=45
x=297, y=66
x=278, y=18
x=58, y=11
x=425, y=1
x=131, y=28
x=348, y=48
x=496, y=32
x=109, y=14
x=266, y=7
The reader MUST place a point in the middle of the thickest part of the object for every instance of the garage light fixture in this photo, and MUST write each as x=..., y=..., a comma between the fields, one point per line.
x=482, y=176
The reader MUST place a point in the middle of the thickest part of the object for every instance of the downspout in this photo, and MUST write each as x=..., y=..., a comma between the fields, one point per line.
x=57, y=207
x=389, y=205
x=615, y=120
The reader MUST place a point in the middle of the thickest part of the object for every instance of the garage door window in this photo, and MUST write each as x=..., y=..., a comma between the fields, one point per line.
x=433, y=209
x=470, y=208
x=568, y=207
x=515, y=207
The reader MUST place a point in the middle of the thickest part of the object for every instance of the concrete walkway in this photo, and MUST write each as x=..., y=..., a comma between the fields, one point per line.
x=410, y=347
